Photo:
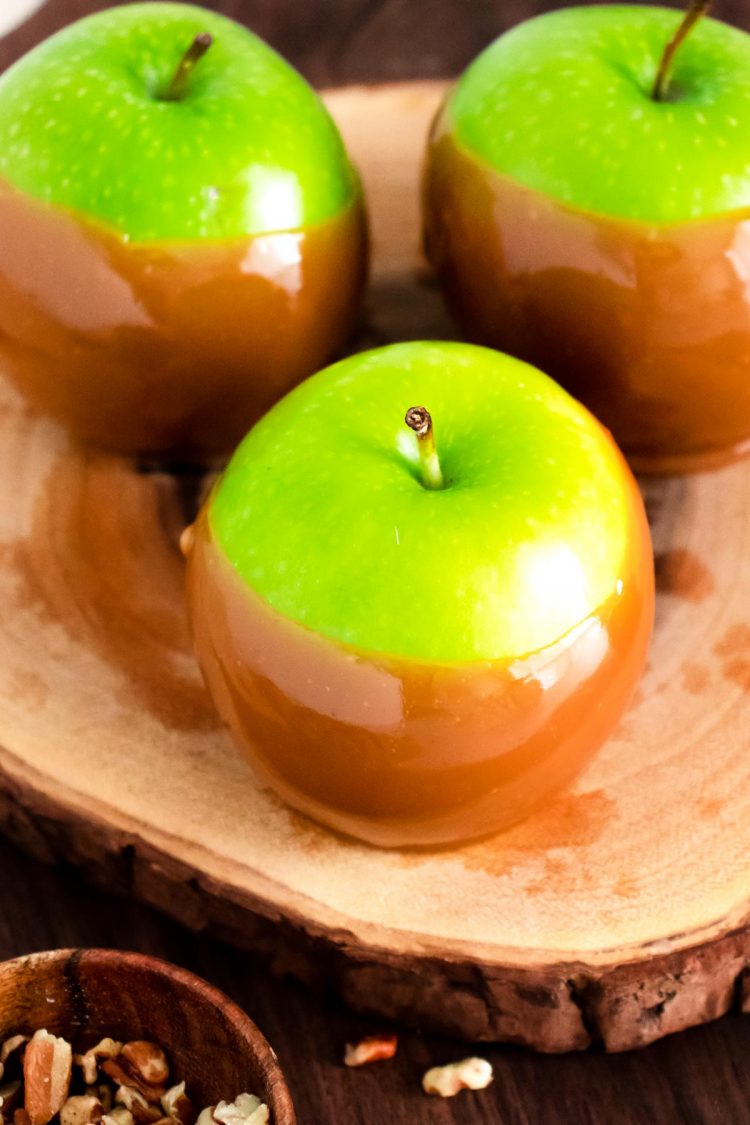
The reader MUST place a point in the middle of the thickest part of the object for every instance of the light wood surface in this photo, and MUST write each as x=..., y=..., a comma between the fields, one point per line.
x=618, y=914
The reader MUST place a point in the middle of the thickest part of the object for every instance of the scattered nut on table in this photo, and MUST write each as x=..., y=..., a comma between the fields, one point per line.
x=447, y=1081
x=371, y=1049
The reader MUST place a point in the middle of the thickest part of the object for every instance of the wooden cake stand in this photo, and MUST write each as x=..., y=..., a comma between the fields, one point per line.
x=618, y=915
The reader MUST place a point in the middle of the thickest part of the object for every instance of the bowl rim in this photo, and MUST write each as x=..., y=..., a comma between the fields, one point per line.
x=280, y=1100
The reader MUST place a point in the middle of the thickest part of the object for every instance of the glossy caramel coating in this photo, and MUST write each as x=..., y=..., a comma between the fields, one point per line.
x=167, y=349
x=648, y=325
x=401, y=752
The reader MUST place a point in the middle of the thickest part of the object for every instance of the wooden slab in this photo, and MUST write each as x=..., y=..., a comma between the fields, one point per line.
x=617, y=915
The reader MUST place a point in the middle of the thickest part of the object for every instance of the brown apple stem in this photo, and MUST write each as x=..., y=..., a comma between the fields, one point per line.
x=696, y=10
x=177, y=88
x=420, y=420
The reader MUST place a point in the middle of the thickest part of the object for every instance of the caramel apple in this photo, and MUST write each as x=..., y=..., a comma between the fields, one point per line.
x=421, y=593
x=182, y=235
x=587, y=208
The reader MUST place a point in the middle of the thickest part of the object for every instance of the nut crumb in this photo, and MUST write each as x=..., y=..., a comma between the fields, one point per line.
x=371, y=1049
x=468, y=1074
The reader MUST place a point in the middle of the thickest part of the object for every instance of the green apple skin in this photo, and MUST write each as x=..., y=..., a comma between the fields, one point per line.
x=578, y=223
x=250, y=149
x=414, y=665
x=562, y=104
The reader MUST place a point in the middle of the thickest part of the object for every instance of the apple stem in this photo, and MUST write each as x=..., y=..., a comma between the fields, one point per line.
x=696, y=10
x=420, y=420
x=177, y=88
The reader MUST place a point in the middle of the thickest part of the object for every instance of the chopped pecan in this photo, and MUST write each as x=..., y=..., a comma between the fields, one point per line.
x=468, y=1074
x=118, y=1071
x=82, y=1109
x=145, y=1061
x=89, y=1061
x=47, y=1066
x=371, y=1049
x=118, y=1116
x=246, y=1109
x=133, y=1100
x=177, y=1105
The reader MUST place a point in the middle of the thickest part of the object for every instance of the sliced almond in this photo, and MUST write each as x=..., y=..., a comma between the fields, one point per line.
x=47, y=1067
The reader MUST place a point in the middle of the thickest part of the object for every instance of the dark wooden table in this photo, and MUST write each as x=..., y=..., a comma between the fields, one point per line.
x=701, y=1076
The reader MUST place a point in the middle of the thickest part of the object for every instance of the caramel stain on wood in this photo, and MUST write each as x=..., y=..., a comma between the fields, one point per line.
x=681, y=573
x=625, y=887
x=639, y=697
x=574, y=820
x=311, y=837
x=709, y=807
x=734, y=652
x=694, y=678
x=99, y=562
x=28, y=688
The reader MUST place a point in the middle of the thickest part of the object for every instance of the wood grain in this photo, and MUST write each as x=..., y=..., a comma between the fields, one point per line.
x=617, y=915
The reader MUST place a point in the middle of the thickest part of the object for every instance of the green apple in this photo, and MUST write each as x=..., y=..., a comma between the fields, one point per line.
x=420, y=630
x=563, y=104
x=182, y=234
x=322, y=511
x=249, y=148
x=586, y=198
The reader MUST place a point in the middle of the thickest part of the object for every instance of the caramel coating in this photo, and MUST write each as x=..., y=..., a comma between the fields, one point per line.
x=163, y=349
x=400, y=752
x=648, y=325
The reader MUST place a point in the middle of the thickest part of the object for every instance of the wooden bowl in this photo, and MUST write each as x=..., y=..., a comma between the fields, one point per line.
x=85, y=994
